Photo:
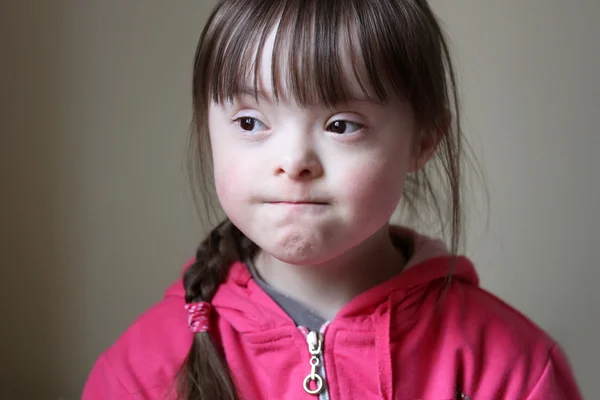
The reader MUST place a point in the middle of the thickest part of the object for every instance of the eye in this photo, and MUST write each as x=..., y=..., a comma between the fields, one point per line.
x=344, y=127
x=250, y=124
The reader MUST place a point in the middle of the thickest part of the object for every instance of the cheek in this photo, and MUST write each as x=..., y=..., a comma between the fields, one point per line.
x=228, y=170
x=229, y=182
x=236, y=172
x=225, y=179
x=376, y=184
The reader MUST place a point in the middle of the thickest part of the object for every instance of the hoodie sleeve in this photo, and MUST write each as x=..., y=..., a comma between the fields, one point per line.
x=103, y=383
x=557, y=381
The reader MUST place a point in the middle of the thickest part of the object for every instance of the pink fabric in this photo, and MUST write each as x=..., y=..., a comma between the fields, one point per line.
x=400, y=340
x=198, y=316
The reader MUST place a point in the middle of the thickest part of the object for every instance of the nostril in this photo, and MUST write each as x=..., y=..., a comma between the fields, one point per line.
x=304, y=173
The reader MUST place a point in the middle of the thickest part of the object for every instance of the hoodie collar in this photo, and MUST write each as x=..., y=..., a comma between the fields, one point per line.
x=248, y=308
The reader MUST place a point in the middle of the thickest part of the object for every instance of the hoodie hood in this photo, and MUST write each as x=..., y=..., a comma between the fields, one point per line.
x=248, y=308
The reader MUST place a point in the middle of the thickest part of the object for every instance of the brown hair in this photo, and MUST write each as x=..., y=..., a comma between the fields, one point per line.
x=401, y=49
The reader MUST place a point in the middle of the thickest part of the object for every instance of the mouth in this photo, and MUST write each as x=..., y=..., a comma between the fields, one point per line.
x=299, y=203
x=297, y=208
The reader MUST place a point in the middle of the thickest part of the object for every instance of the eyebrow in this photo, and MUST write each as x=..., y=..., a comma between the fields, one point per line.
x=250, y=92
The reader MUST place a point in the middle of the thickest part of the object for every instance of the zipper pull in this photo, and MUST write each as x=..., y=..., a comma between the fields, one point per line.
x=315, y=347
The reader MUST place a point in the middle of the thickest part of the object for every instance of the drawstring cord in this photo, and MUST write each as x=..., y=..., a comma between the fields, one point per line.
x=382, y=322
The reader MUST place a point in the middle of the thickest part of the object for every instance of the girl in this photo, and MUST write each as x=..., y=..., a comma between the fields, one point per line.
x=320, y=115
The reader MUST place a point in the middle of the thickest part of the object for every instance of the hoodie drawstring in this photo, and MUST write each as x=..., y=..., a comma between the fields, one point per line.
x=382, y=322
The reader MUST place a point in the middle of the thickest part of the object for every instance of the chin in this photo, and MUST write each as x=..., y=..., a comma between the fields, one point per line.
x=299, y=252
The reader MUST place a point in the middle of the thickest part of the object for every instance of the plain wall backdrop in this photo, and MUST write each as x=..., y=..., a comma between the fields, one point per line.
x=96, y=216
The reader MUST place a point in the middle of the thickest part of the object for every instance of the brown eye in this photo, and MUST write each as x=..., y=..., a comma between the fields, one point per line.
x=247, y=124
x=250, y=124
x=343, y=127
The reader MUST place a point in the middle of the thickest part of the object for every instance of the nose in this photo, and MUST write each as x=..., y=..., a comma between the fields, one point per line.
x=299, y=161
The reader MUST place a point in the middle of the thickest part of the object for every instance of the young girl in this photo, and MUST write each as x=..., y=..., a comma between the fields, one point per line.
x=320, y=116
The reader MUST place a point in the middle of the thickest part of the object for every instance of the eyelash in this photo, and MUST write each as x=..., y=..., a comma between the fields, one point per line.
x=359, y=126
x=241, y=119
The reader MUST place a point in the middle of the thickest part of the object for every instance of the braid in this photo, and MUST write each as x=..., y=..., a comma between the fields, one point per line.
x=204, y=374
x=213, y=259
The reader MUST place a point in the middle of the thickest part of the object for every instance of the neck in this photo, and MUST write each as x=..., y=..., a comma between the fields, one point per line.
x=327, y=287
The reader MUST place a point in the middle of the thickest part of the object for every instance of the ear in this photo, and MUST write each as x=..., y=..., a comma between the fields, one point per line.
x=427, y=143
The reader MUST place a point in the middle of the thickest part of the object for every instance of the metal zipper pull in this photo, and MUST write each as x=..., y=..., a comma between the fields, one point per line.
x=315, y=346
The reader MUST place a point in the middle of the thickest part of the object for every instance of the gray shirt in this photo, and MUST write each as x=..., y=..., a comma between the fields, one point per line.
x=298, y=312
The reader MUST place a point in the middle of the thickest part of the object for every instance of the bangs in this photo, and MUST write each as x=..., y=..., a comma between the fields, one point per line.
x=321, y=50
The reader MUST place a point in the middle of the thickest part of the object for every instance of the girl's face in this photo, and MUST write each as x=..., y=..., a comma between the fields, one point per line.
x=306, y=184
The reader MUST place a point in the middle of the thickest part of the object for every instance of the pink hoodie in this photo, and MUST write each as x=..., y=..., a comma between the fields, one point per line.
x=395, y=341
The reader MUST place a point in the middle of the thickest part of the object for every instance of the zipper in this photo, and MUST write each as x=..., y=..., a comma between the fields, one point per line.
x=315, y=382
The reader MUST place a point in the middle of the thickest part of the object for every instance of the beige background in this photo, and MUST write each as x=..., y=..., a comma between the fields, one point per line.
x=96, y=216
